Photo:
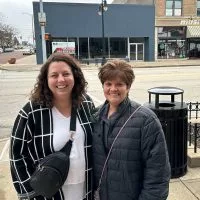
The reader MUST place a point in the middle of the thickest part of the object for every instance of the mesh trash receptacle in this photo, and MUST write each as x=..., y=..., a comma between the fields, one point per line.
x=174, y=120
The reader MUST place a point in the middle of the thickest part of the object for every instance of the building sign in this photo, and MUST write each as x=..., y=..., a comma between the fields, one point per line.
x=42, y=18
x=65, y=47
x=190, y=22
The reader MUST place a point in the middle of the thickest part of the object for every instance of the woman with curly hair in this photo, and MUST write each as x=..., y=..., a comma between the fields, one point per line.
x=42, y=128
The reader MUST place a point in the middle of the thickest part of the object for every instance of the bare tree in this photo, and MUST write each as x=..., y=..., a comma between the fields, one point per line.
x=16, y=41
x=7, y=33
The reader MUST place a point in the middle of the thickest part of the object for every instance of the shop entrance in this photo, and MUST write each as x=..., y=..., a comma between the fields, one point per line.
x=136, y=51
x=194, y=48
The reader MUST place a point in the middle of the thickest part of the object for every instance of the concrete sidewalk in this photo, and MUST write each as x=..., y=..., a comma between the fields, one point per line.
x=7, y=191
x=28, y=63
x=184, y=188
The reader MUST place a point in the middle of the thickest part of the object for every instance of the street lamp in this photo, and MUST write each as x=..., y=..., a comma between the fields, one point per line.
x=102, y=8
x=33, y=35
x=42, y=21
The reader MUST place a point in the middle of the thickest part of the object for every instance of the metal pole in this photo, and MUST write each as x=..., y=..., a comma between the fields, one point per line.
x=44, y=53
x=103, y=38
x=33, y=31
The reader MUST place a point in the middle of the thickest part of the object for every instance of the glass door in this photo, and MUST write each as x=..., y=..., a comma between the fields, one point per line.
x=136, y=51
x=132, y=51
x=140, y=52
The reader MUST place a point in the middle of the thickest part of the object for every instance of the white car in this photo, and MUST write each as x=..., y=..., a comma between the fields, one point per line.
x=8, y=49
x=27, y=51
x=1, y=50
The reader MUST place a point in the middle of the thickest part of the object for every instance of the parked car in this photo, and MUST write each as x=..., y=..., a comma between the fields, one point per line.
x=8, y=49
x=28, y=51
x=1, y=50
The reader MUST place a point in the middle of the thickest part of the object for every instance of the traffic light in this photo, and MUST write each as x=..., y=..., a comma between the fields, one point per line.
x=47, y=36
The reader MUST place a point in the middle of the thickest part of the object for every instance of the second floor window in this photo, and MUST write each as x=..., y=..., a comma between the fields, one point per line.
x=173, y=7
x=198, y=7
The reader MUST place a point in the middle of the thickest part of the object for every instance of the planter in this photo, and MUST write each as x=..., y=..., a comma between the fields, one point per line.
x=12, y=61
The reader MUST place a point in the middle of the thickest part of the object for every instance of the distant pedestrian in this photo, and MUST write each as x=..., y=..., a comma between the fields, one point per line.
x=42, y=127
x=129, y=149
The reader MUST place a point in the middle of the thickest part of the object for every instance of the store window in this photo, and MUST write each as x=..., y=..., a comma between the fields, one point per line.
x=168, y=31
x=194, y=48
x=171, y=42
x=96, y=48
x=118, y=47
x=83, y=48
x=198, y=7
x=173, y=7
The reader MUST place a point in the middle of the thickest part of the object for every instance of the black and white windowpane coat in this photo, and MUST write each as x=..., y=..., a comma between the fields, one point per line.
x=32, y=140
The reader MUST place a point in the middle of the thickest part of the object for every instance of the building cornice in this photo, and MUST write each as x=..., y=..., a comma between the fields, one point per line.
x=177, y=21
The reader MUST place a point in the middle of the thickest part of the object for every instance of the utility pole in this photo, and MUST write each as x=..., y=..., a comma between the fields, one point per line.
x=103, y=8
x=33, y=32
x=42, y=21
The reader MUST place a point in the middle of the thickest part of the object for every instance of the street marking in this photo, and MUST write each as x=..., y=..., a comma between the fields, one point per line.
x=4, y=149
x=4, y=139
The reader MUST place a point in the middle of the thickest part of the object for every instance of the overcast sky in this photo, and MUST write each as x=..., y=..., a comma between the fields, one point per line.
x=12, y=11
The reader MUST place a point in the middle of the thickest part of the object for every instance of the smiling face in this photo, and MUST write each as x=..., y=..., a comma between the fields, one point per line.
x=115, y=91
x=60, y=80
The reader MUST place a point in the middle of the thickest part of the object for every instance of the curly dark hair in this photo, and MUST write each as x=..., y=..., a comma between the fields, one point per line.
x=41, y=93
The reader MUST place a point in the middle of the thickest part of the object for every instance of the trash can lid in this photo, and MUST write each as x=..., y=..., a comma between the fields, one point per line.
x=165, y=90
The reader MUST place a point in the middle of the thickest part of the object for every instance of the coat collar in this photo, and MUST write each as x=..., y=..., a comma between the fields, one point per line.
x=103, y=109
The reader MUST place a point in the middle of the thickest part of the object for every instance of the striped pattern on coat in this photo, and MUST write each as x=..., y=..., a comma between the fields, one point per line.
x=32, y=140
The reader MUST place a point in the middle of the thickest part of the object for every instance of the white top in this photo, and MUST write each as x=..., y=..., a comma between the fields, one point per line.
x=74, y=186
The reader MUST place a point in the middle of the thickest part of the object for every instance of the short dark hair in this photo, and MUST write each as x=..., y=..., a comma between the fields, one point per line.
x=117, y=69
x=41, y=93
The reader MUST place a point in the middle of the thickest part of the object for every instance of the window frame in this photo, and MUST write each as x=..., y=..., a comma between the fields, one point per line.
x=173, y=8
x=198, y=8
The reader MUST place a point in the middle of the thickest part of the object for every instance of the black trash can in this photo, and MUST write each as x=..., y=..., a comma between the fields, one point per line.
x=174, y=120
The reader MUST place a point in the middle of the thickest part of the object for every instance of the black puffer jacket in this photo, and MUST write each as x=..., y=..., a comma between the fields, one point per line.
x=138, y=167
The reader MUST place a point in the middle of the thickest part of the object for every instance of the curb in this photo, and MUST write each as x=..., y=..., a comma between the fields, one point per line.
x=193, y=158
x=35, y=67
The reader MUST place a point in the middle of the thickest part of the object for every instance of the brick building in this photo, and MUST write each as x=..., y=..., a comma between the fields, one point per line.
x=177, y=27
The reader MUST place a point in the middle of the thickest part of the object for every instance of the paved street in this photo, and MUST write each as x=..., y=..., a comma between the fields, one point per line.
x=186, y=78
x=17, y=81
x=16, y=86
x=4, y=57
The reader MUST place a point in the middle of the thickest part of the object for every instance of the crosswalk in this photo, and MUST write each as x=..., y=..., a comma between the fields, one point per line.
x=4, y=149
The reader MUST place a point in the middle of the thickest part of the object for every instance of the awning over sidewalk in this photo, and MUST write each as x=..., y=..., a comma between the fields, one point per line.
x=193, y=32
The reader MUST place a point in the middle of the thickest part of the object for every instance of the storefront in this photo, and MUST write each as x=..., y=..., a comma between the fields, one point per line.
x=171, y=42
x=126, y=37
x=193, y=37
x=178, y=38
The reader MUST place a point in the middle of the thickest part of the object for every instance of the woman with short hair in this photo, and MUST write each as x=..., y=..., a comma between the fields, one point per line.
x=132, y=164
